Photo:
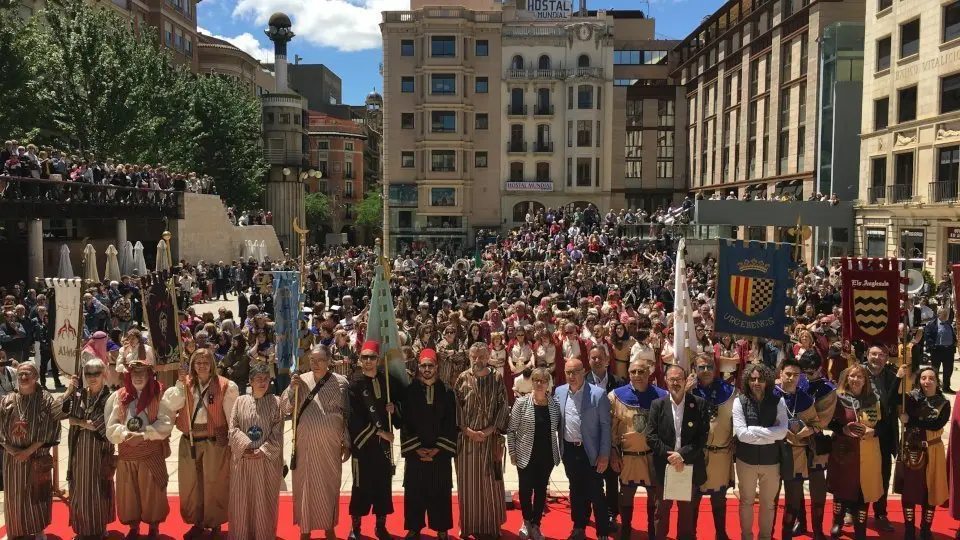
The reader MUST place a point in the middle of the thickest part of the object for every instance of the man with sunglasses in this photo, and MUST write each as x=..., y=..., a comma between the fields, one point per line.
x=372, y=419
x=824, y=395
x=428, y=436
x=802, y=424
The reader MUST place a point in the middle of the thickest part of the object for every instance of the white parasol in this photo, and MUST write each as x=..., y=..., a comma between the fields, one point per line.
x=90, y=272
x=139, y=263
x=162, y=262
x=112, y=270
x=126, y=259
x=65, y=270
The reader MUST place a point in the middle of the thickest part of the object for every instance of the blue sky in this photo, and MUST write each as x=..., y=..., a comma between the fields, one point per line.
x=345, y=36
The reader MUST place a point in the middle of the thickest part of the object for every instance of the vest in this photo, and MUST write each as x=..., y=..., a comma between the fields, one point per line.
x=145, y=449
x=216, y=418
x=762, y=414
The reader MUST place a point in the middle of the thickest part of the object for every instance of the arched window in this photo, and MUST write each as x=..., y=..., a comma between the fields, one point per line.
x=543, y=62
x=583, y=61
x=521, y=209
x=517, y=62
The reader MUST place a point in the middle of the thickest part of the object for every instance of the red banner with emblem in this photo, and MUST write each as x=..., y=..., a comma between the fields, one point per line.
x=871, y=301
x=955, y=273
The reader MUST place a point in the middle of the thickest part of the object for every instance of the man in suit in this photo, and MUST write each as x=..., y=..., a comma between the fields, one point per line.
x=941, y=340
x=684, y=412
x=600, y=375
x=584, y=430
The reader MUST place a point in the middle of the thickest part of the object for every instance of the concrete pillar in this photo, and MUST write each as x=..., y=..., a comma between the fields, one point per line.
x=34, y=249
x=285, y=200
x=121, y=233
x=173, y=226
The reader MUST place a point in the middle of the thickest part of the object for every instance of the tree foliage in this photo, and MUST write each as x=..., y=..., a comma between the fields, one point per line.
x=370, y=211
x=83, y=80
x=317, y=207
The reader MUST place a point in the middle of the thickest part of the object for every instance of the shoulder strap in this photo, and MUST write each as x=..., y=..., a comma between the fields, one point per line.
x=313, y=393
x=199, y=404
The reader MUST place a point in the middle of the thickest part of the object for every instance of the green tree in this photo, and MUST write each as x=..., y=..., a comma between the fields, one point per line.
x=19, y=112
x=317, y=207
x=370, y=211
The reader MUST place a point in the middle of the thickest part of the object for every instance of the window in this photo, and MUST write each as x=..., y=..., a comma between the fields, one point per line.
x=406, y=47
x=583, y=172
x=406, y=85
x=348, y=146
x=482, y=121
x=634, y=112
x=950, y=93
x=881, y=113
x=444, y=84
x=903, y=169
x=949, y=167
x=443, y=122
x=569, y=133
x=543, y=172
x=516, y=171
x=634, y=58
x=801, y=147
x=665, y=143
x=543, y=62
x=443, y=46
x=323, y=145
x=803, y=53
x=583, y=133
x=878, y=174
x=907, y=104
x=785, y=109
x=583, y=61
x=482, y=85
x=406, y=160
x=786, y=62
x=517, y=62
x=348, y=189
x=443, y=161
x=569, y=97
x=179, y=39
x=754, y=77
x=406, y=120
x=585, y=96
x=783, y=148
x=284, y=118
x=482, y=48
x=168, y=33
x=883, y=4
x=665, y=112
x=951, y=21
x=480, y=160
x=802, y=108
x=348, y=169
x=664, y=169
x=883, y=54
x=910, y=38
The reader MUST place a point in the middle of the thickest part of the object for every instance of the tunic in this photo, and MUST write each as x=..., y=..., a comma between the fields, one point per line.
x=371, y=461
x=28, y=494
x=718, y=453
x=824, y=393
x=481, y=403
x=321, y=435
x=853, y=467
x=91, y=493
x=629, y=409
x=800, y=406
x=953, y=464
x=926, y=485
x=255, y=483
x=451, y=361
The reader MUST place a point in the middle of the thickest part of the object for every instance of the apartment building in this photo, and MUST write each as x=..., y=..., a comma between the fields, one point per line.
x=752, y=77
x=910, y=156
x=649, y=145
x=218, y=57
x=492, y=111
x=337, y=152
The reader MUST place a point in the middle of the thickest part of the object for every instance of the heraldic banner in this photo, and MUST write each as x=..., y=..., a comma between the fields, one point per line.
x=752, y=283
x=955, y=269
x=67, y=323
x=871, y=300
x=161, y=319
x=286, y=311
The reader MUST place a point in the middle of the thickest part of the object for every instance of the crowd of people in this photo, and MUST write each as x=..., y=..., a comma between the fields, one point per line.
x=552, y=345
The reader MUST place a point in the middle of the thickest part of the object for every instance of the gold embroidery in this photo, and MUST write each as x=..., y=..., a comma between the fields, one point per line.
x=430, y=395
x=376, y=388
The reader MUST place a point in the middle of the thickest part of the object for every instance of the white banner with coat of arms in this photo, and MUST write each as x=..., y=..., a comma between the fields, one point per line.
x=67, y=324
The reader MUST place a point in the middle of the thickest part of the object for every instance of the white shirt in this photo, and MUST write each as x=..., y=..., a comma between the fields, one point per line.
x=758, y=434
x=176, y=397
x=117, y=432
x=571, y=412
x=677, y=419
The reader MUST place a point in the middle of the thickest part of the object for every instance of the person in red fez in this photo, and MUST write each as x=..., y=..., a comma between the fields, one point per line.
x=373, y=416
x=428, y=441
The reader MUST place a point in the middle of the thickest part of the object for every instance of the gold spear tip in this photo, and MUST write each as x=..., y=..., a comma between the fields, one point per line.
x=166, y=235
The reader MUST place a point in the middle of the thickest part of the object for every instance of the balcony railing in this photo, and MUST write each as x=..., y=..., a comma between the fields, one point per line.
x=943, y=191
x=542, y=147
x=536, y=74
x=516, y=147
x=543, y=110
x=899, y=193
x=280, y=156
x=876, y=194
x=36, y=198
x=441, y=13
x=584, y=72
x=516, y=110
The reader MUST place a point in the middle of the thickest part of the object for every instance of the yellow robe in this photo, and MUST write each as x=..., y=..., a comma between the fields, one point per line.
x=635, y=469
x=801, y=467
x=720, y=449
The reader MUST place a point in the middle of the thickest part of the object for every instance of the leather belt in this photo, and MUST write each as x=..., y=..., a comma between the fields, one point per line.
x=717, y=448
x=638, y=454
x=578, y=443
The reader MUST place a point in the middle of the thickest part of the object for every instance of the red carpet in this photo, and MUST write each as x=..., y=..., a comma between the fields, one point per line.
x=556, y=522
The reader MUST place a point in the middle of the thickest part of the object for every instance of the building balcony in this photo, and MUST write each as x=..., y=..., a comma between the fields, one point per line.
x=775, y=213
x=585, y=73
x=516, y=147
x=543, y=147
x=876, y=195
x=543, y=110
x=536, y=74
x=519, y=184
x=47, y=199
x=943, y=191
x=516, y=110
x=899, y=193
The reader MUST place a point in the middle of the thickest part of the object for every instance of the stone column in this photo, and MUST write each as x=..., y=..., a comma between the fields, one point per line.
x=285, y=200
x=34, y=249
x=121, y=233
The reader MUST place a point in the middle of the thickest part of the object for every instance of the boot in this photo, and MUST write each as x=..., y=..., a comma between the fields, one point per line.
x=800, y=523
x=354, y=529
x=720, y=519
x=925, y=532
x=859, y=530
x=787, y=523
x=816, y=522
x=909, y=531
x=626, y=522
x=837, y=521
x=381, y=531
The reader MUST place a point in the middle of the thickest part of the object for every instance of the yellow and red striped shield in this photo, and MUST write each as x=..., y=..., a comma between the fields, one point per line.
x=751, y=295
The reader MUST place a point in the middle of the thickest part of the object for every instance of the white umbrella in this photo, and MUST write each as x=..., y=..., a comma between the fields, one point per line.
x=90, y=272
x=112, y=270
x=126, y=259
x=162, y=263
x=139, y=264
x=247, y=249
x=65, y=269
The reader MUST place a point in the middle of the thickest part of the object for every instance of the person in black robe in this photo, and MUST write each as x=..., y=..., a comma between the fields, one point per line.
x=428, y=441
x=371, y=423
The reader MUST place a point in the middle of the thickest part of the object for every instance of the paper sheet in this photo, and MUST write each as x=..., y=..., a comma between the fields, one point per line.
x=678, y=486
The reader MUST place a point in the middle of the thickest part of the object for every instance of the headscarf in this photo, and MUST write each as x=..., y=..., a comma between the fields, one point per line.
x=97, y=345
x=153, y=389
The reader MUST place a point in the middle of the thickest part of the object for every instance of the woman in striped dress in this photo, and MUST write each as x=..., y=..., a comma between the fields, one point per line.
x=256, y=467
x=92, y=461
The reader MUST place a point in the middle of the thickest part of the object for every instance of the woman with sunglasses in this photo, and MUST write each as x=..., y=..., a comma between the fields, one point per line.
x=92, y=462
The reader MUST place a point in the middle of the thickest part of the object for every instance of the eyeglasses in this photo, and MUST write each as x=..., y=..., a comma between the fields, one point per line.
x=25, y=375
x=368, y=357
x=92, y=373
x=705, y=368
x=638, y=371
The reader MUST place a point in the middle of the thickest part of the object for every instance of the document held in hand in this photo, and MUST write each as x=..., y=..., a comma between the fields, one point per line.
x=678, y=486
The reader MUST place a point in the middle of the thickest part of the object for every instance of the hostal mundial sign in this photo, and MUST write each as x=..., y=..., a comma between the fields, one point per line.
x=550, y=9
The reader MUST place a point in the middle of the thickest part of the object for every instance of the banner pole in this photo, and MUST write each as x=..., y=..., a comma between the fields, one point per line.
x=172, y=288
